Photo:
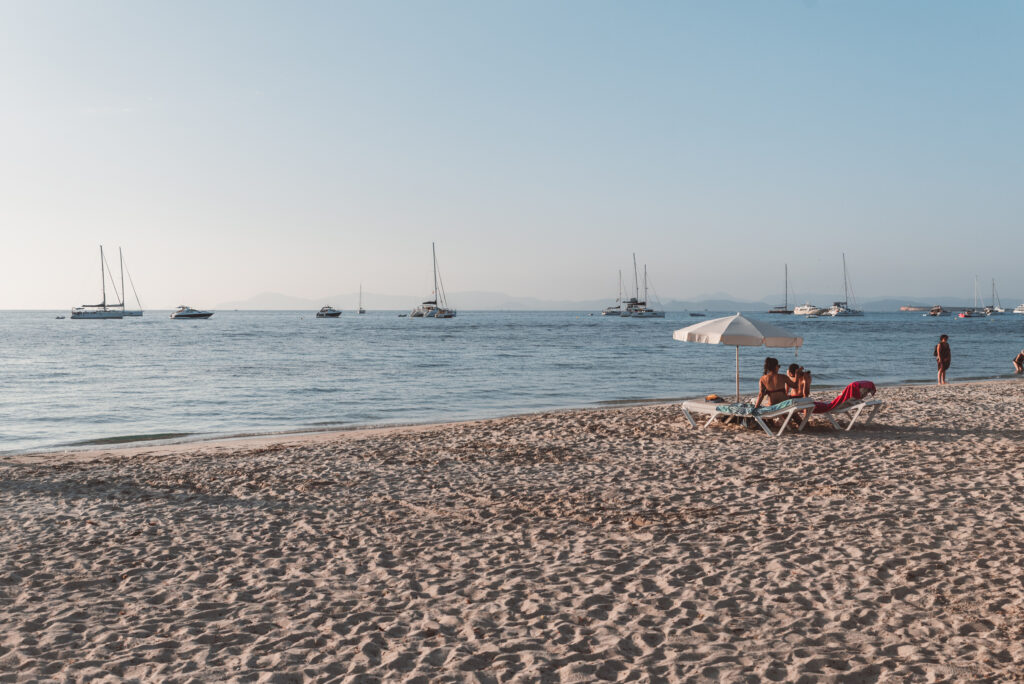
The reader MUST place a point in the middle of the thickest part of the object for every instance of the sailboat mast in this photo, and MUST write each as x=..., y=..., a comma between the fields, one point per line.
x=636, y=282
x=645, y=283
x=785, y=296
x=103, y=278
x=846, y=293
x=433, y=250
x=620, y=286
x=120, y=256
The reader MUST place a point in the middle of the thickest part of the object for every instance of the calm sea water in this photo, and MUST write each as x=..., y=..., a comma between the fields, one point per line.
x=70, y=383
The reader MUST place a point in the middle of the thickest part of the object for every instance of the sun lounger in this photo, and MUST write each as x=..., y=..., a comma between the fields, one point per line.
x=853, y=409
x=744, y=412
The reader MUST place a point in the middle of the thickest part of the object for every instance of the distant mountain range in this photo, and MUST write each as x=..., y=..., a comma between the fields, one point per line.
x=496, y=301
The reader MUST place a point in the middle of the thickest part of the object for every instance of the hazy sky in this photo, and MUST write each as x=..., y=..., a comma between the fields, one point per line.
x=234, y=148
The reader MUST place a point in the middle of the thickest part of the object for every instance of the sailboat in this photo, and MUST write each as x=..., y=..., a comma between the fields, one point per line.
x=615, y=310
x=996, y=307
x=437, y=306
x=974, y=311
x=843, y=308
x=101, y=310
x=636, y=308
x=784, y=309
x=124, y=269
x=361, y=309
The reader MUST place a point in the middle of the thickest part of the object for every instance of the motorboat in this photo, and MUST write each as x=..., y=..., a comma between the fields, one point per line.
x=636, y=308
x=697, y=314
x=101, y=310
x=189, y=312
x=936, y=311
x=843, y=308
x=328, y=312
x=784, y=309
x=807, y=309
x=1019, y=309
x=437, y=306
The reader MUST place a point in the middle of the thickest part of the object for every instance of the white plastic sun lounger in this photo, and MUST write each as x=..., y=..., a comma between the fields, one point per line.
x=853, y=409
x=786, y=409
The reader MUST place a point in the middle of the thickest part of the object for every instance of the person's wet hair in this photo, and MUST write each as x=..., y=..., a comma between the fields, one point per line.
x=771, y=365
x=794, y=367
x=943, y=338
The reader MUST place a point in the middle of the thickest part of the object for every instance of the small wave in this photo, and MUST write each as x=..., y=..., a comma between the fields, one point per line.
x=122, y=439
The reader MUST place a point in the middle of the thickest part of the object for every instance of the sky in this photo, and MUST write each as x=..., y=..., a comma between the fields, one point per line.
x=234, y=148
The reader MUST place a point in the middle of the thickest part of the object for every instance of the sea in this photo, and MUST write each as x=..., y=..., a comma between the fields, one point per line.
x=76, y=384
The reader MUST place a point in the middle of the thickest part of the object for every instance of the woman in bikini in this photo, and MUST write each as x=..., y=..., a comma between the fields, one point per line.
x=772, y=385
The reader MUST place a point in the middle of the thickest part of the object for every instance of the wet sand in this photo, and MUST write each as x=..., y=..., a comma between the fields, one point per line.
x=616, y=544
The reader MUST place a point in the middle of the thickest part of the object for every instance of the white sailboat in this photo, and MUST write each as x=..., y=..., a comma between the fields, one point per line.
x=101, y=310
x=615, y=310
x=784, y=309
x=996, y=308
x=437, y=306
x=974, y=311
x=124, y=269
x=636, y=308
x=361, y=309
x=843, y=308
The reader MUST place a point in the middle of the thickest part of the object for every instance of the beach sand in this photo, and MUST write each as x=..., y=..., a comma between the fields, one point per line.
x=615, y=544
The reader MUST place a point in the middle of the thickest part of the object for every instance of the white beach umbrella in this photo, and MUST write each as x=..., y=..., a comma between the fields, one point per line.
x=738, y=331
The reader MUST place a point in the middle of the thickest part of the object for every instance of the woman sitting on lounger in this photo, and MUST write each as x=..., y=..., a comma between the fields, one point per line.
x=772, y=385
x=802, y=378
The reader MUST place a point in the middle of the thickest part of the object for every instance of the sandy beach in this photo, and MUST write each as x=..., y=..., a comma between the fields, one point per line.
x=616, y=544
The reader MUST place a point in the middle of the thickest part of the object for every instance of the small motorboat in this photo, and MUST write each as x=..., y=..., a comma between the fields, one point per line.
x=189, y=312
x=60, y=318
x=328, y=312
x=696, y=314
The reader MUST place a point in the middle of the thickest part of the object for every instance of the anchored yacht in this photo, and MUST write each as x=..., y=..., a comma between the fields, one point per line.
x=189, y=312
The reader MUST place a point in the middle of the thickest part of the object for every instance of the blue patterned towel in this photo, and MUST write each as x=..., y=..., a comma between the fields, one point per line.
x=749, y=410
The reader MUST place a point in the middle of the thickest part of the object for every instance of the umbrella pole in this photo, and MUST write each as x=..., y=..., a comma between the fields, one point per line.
x=737, y=374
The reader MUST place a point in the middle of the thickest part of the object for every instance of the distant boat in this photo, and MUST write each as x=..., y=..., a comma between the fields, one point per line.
x=808, y=309
x=996, y=308
x=784, y=309
x=101, y=310
x=60, y=318
x=843, y=308
x=328, y=312
x=361, y=309
x=636, y=308
x=974, y=311
x=615, y=310
x=1019, y=309
x=189, y=312
x=124, y=269
x=437, y=306
x=696, y=314
x=936, y=311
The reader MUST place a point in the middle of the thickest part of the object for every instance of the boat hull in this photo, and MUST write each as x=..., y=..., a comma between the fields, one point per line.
x=97, y=315
x=193, y=315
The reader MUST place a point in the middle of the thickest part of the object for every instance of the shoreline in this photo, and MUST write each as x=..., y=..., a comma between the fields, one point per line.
x=298, y=437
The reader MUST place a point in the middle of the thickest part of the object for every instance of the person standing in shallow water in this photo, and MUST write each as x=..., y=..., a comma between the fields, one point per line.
x=943, y=357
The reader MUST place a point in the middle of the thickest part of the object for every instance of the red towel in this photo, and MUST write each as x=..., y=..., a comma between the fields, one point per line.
x=855, y=390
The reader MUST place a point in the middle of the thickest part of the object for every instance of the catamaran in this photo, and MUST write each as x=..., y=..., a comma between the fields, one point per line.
x=615, y=310
x=636, y=308
x=101, y=310
x=843, y=308
x=784, y=309
x=437, y=306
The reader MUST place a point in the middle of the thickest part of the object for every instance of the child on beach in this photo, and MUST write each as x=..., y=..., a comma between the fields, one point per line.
x=1018, y=363
x=943, y=357
x=802, y=378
